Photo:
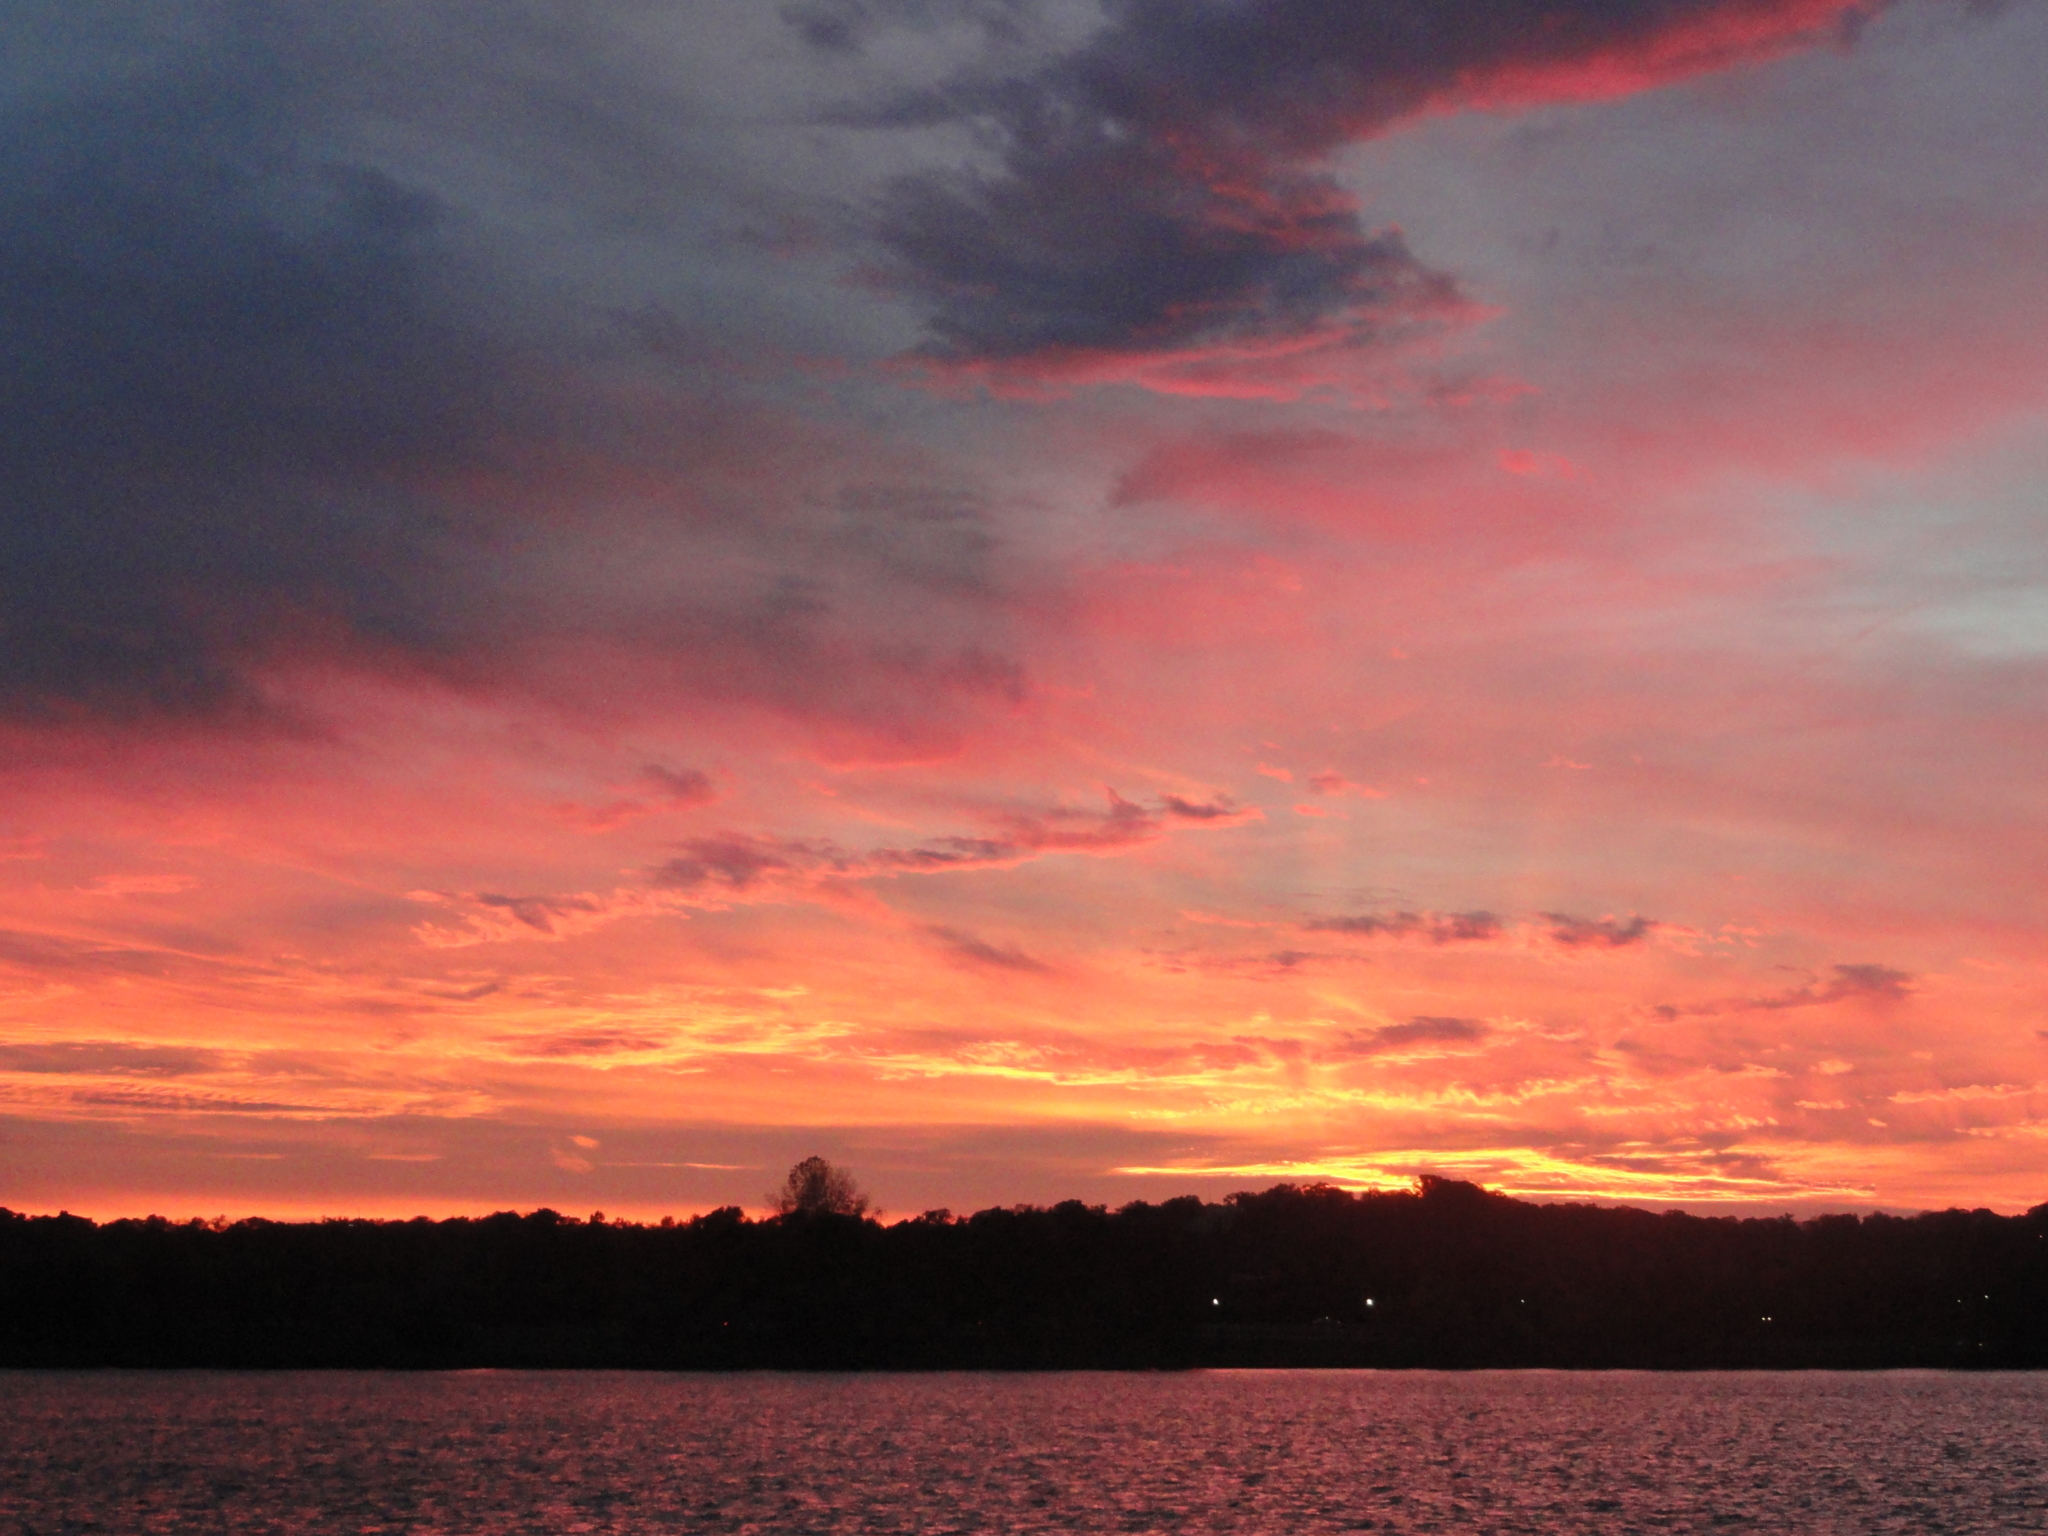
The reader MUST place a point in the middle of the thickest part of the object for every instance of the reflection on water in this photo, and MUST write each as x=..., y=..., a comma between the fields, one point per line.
x=1264, y=1451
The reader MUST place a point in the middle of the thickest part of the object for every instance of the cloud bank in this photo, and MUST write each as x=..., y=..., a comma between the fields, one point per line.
x=1157, y=205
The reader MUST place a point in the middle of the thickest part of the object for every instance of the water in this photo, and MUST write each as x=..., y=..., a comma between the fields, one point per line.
x=1282, y=1452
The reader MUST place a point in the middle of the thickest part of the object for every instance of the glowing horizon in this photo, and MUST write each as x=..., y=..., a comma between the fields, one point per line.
x=1100, y=600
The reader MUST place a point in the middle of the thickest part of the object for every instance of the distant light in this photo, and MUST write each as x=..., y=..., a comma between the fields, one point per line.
x=1216, y=1301
x=1368, y=1301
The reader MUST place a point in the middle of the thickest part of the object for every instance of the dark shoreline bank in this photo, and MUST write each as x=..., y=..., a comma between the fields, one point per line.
x=1446, y=1277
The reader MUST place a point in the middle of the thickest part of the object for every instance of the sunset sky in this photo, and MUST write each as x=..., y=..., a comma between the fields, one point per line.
x=1102, y=598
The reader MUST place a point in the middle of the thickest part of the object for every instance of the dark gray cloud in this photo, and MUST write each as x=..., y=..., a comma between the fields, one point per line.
x=168, y=1101
x=1435, y=927
x=929, y=537
x=1116, y=248
x=844, y=26
x=540, y=913
x=1162, y=186
x=473, y=994
x=1597, y=933
x=735, y=861
x=1018, y=835
x=679, y=786
x=975, y=950
x=585, y=1042
x=1869, y=981
x=1221, y=808
x=1872, y=981
x=228, y=357
x=307, y=357
x=316, y=347
x=107, y=1058
x=54, y=953
x=1875, y=982
x=1423, y=1029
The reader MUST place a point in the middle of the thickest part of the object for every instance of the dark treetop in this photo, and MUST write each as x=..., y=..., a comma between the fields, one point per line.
x=1445, y=1275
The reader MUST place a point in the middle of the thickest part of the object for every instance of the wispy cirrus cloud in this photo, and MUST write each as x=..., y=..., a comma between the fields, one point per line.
x=739, y=862
x=598, y=1044
x=723, y=868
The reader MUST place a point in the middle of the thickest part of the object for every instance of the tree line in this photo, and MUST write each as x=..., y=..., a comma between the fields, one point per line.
x=1443, y=1275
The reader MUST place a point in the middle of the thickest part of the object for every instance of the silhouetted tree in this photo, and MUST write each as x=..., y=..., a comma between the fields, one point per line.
x=1446, y=1275
x=817, y=1188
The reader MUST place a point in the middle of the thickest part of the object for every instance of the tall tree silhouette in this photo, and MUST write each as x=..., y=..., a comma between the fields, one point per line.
x=818, y=1188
